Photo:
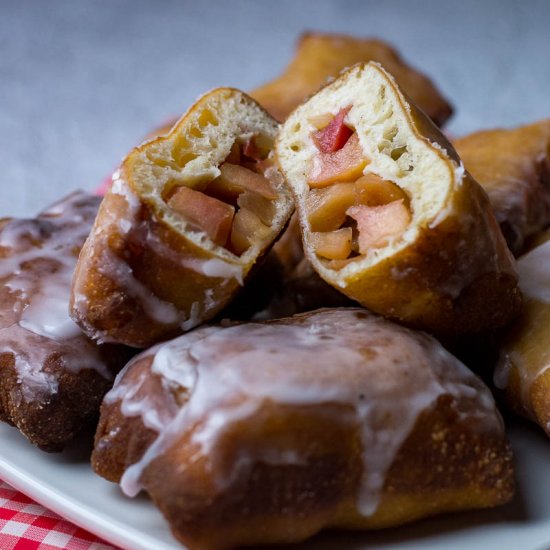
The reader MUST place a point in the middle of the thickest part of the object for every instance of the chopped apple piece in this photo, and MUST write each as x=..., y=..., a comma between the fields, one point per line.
x=210, y=215
x=344, y=165
x=262, y=207
x=250, y=149
x=236, y=179
x=326, y=208
x=333, y=245
x=377, y=224
x=334, y=136
x=260, y=166
x=372, y=190
x=247, y=227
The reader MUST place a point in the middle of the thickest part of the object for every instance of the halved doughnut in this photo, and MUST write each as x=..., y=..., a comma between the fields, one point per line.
x=426, y=247
x=188, y=216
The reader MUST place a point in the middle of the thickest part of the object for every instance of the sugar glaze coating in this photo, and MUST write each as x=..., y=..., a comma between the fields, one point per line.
x=38, y=257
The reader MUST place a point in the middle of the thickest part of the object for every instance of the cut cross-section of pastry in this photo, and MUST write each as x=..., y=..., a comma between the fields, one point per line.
x=320, y=57
x=188, y=216
x=523, y=369
x=425, y=246
x=266, y=433
x=513, y=166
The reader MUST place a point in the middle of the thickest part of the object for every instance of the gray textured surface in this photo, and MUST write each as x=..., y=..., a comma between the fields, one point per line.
x=81, y=82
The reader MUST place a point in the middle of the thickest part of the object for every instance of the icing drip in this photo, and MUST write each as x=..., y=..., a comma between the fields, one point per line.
x=117, y=269
x=216, y=268
x=384, y=374
x=38, y=257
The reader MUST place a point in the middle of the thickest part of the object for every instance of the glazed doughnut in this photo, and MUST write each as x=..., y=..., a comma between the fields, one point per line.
x=513, y=166
x=320, y=57
x=267, y=433
x=389, y=215
x=188, y=216
x=52, y=378
x=523, y=369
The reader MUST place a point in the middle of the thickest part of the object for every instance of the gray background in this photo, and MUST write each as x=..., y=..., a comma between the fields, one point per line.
x=81, y=82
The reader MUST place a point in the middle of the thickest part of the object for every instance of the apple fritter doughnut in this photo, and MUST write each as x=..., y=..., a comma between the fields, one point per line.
x=52, y=378
x=389, y=215
x=188, y=216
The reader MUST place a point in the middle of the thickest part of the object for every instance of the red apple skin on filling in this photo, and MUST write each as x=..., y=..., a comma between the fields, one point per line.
x=335, y=135
x=344, y=165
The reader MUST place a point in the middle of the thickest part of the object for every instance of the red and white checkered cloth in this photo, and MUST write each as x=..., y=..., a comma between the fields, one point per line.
x=26, y=525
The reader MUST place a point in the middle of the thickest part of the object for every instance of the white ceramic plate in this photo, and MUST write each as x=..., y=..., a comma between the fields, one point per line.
x=66, y=484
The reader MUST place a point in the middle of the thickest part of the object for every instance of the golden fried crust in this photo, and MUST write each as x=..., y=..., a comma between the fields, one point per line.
x=322, y=56
x=532, y=402
x=140, y=279
x=50, y=387
x=540, y=401
x=478, y=473
x=449, y=461
x=513, y=166
x=131, y=438
x=54, y=420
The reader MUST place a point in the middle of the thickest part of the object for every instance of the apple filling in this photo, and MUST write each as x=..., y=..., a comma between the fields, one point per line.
x=235, y=209
x=349, y=212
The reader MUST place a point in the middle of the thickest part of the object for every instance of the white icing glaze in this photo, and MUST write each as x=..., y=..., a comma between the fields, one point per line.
x=534, y=273
x=38, y=257
x=229, y=373
x=47, y=313
x=218, y=268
